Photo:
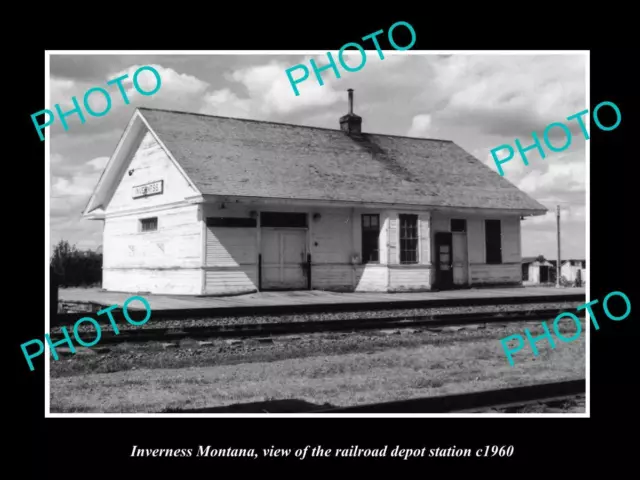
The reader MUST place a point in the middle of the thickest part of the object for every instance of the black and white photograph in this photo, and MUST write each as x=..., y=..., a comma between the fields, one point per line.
x=274, y=234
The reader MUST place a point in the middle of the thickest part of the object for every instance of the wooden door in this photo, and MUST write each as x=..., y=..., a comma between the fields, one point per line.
x=460, y=265
x=444, y=260
x=284, y=256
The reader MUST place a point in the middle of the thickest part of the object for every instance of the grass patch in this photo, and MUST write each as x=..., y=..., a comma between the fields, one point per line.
x=348, y=370
x=215, y=352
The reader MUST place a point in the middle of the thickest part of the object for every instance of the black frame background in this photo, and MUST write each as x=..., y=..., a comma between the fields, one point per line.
x=62, y=447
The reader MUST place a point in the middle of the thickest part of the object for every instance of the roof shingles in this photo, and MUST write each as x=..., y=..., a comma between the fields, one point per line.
x=238, y=157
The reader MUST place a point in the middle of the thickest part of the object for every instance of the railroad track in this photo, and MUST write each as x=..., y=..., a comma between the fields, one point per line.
x=246, y=330
x=248, y=311
x=475, y=402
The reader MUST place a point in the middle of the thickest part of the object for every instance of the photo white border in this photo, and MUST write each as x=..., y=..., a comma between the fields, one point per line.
x=47, y=237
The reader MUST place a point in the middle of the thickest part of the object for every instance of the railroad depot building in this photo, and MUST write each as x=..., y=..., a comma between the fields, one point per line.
x=204, y=205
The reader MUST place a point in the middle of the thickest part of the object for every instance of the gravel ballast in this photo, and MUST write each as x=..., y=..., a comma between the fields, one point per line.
x=251, y=320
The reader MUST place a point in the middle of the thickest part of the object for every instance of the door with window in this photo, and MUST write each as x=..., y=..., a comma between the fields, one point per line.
x=444, y=260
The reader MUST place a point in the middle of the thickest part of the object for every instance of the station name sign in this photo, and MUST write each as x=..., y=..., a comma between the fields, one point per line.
x=153, y=188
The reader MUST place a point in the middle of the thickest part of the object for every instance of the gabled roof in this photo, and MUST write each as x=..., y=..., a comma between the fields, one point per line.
x=573, y=262
x=239, y=157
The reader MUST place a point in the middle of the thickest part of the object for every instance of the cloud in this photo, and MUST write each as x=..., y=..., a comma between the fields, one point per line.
x=420, y=126
x=61, y=90
x=558, y=177
x=69, y=195
x=175, y=86
x=98, y=163
x=568, y=214
x=225, y=103
x=269, y=92
x=510, y=95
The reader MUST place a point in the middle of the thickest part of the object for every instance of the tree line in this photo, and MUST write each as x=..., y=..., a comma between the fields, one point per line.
x=74, y=267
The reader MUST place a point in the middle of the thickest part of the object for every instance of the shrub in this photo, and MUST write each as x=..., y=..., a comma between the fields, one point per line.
x=76, y=268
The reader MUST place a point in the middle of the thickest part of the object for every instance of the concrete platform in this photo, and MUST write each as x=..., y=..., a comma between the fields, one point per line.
x=313, y=297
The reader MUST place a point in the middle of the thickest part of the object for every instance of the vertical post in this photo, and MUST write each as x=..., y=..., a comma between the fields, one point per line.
x=558, y=265
x=53, y=297
x=308, y=271
x=259, y=272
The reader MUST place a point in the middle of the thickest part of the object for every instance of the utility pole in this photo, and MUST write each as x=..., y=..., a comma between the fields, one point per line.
x=558, y=264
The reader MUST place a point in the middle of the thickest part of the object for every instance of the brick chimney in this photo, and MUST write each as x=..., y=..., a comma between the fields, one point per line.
x=351, y=123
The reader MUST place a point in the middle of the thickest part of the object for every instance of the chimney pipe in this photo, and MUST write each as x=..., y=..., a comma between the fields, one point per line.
x=351, y=123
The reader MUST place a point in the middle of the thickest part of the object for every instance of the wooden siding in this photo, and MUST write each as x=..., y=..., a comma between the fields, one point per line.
x=176, y=243
x=231, y=254
x=511, y=240
x=231, y=247
x=331, y=237
x=232, y=280
x=371, y=278
x=167, y=260
x=510, y=273
x=176, y=281
x=409, y=278
x=332, y=277
x=392, y=229
x=425, y=238
x=149, y=164
x=475, y=240
x=332, y=247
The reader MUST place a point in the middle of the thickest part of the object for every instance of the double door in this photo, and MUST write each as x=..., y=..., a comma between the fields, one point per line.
x=284, y=259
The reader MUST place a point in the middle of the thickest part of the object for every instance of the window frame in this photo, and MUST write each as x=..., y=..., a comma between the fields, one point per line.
x=499, y=258
x=458, y=220
x=141, y=225
x=369, y=231
x=415, y=238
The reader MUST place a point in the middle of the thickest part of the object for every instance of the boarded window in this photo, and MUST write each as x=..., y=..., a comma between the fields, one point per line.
x=458, y=225
x=408, y=239
x=493, y=241
x=370, y=238
x=283, y=219
x=231, y=222
x=149, y=224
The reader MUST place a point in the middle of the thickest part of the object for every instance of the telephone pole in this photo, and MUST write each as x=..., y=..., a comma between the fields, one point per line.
x=558, y=264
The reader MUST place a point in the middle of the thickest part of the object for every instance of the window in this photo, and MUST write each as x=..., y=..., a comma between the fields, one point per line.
x=458, y=225
x=280, y=219
x=408, y=239
x=231, y=222
x=149, y=224
x=493, y=241
x=370, y=236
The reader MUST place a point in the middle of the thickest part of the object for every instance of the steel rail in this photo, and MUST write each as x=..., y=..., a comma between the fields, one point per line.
x=247, y=330
x=262, y=310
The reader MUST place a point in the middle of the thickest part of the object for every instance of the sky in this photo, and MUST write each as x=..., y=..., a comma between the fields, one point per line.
x=478, y=101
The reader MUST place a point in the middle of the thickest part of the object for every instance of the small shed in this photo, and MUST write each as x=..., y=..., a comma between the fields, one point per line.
x=569, y=269
x=538, y=270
